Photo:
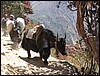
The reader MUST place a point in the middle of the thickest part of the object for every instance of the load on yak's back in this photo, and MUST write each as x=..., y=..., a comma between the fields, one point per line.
x=15, y=29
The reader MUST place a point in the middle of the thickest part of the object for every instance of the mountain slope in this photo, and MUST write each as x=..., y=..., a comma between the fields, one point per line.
x=59, y=20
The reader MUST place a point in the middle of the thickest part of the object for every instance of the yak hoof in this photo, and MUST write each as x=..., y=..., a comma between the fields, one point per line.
x=41, y=58
x=45, y=62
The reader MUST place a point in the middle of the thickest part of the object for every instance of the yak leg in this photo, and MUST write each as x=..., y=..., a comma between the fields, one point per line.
x=45, y=59
x=44, y=53
x=29, y=54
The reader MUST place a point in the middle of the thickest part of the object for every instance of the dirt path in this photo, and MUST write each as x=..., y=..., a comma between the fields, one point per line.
x=15, y=62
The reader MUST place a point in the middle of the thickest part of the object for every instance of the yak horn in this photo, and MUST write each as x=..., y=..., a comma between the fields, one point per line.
x=57, y=45
x=65, y=35
x=57, y=36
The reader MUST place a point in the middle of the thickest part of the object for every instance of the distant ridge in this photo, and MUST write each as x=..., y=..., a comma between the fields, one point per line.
x=56, y=19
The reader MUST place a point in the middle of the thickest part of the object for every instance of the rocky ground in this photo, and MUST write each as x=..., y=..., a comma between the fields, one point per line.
x=15, y=62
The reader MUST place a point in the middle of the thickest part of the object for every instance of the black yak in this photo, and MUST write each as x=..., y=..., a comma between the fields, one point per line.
x=40, y=39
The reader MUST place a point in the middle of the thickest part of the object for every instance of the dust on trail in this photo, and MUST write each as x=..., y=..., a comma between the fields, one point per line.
x=15, y=62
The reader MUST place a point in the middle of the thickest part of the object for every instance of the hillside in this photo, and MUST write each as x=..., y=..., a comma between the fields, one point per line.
x=15, y=62
x=59, y=20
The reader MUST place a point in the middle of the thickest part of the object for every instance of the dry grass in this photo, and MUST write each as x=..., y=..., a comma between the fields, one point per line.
x=78, y=58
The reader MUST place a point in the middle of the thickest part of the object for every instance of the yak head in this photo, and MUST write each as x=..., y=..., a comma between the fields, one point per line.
x=61, y=45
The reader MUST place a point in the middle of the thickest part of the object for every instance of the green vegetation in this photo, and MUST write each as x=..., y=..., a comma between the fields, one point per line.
x=17, y=8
